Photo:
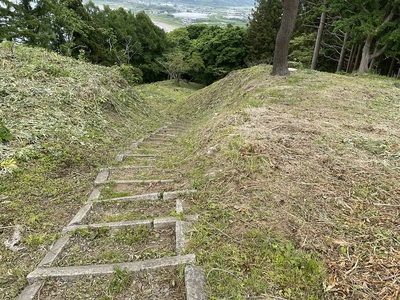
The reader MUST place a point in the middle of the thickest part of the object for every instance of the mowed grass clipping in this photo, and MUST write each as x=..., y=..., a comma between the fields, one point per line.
x=61, y=121
x=298, y=185
x=297, y=177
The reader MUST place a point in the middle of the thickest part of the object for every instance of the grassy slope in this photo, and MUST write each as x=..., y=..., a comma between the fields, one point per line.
x=298, y=181
x=68, y=119
x=291, y=172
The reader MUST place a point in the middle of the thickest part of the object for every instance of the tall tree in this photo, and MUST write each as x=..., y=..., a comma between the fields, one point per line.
x=319, y=38
x=288, y=22
x=262, y=29
x=8, y=26
x=372, y=22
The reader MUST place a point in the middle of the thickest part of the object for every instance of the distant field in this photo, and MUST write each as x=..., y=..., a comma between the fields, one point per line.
x=172, y=17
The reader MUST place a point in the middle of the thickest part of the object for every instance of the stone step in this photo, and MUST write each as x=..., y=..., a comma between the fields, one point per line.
x=172, y=195
x=166, y=135
x=117, y=211
x=156, y=223
x=122, y=156
x=142, y=150
x=148, y=173
x=104, y=269
x=139, y=187
x=138, y=181
x=151, y=140
x=132, y=167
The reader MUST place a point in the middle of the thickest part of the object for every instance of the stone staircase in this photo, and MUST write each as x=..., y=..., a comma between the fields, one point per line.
x=134, y=221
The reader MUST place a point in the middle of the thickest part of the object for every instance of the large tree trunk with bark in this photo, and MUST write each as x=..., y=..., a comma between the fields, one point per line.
x=366, y=54
x=319, y=39
x=280, y=63
x=365, y=57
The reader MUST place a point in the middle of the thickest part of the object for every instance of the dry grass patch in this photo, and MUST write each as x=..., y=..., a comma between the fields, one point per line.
x=298, y=181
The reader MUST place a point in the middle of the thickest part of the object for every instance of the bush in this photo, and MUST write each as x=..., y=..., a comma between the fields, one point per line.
x=131, y=74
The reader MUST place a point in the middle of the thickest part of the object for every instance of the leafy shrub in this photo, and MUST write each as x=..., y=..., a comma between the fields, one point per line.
x=131, y=74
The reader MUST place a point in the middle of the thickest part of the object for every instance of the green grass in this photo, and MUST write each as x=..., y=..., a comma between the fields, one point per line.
x=67, y=119
x=120, y=281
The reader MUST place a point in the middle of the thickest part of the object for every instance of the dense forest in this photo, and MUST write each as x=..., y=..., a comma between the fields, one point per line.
x=333, y=36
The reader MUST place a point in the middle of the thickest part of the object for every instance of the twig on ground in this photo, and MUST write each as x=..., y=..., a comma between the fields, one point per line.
x=222, y=270
x=219, y=230
x=387, y=205
x=353, y=268
x=304, y=242
x=40, y=289
x=6, y=227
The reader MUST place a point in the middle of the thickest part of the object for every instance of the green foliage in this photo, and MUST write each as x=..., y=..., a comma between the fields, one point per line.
x=120, y=281
x=132, y=236
x=205, y=53
x=222, y=50
x=5, y=134
x=301, y=49
x=105, y=36
x=263, y=27
x=131, y=74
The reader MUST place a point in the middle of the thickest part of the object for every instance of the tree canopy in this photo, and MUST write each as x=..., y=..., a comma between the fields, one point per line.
x=329, y=35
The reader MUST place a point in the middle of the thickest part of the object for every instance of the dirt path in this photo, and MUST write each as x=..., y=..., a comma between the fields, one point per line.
x=128, y=240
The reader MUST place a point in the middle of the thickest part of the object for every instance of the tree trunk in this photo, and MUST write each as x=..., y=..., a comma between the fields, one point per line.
x=280, y=63
x=319, y=39
x=372, y=63
x=356, y=62
x=389, y=73
x=366, y=54
x=342, y=53
x=365, y=58
x=351, y=58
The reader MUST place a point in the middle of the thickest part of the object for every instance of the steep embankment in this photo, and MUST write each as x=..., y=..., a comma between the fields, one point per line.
x=67, y=119
x=298, y=181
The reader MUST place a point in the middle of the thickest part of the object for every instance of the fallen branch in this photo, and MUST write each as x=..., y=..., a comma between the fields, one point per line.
x=353, y=268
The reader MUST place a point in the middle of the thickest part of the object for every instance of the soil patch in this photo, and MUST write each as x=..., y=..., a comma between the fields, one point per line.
x=116, y=190
x=142, y=173
x=115, y=211
x=163, y=284
x=104, y=245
